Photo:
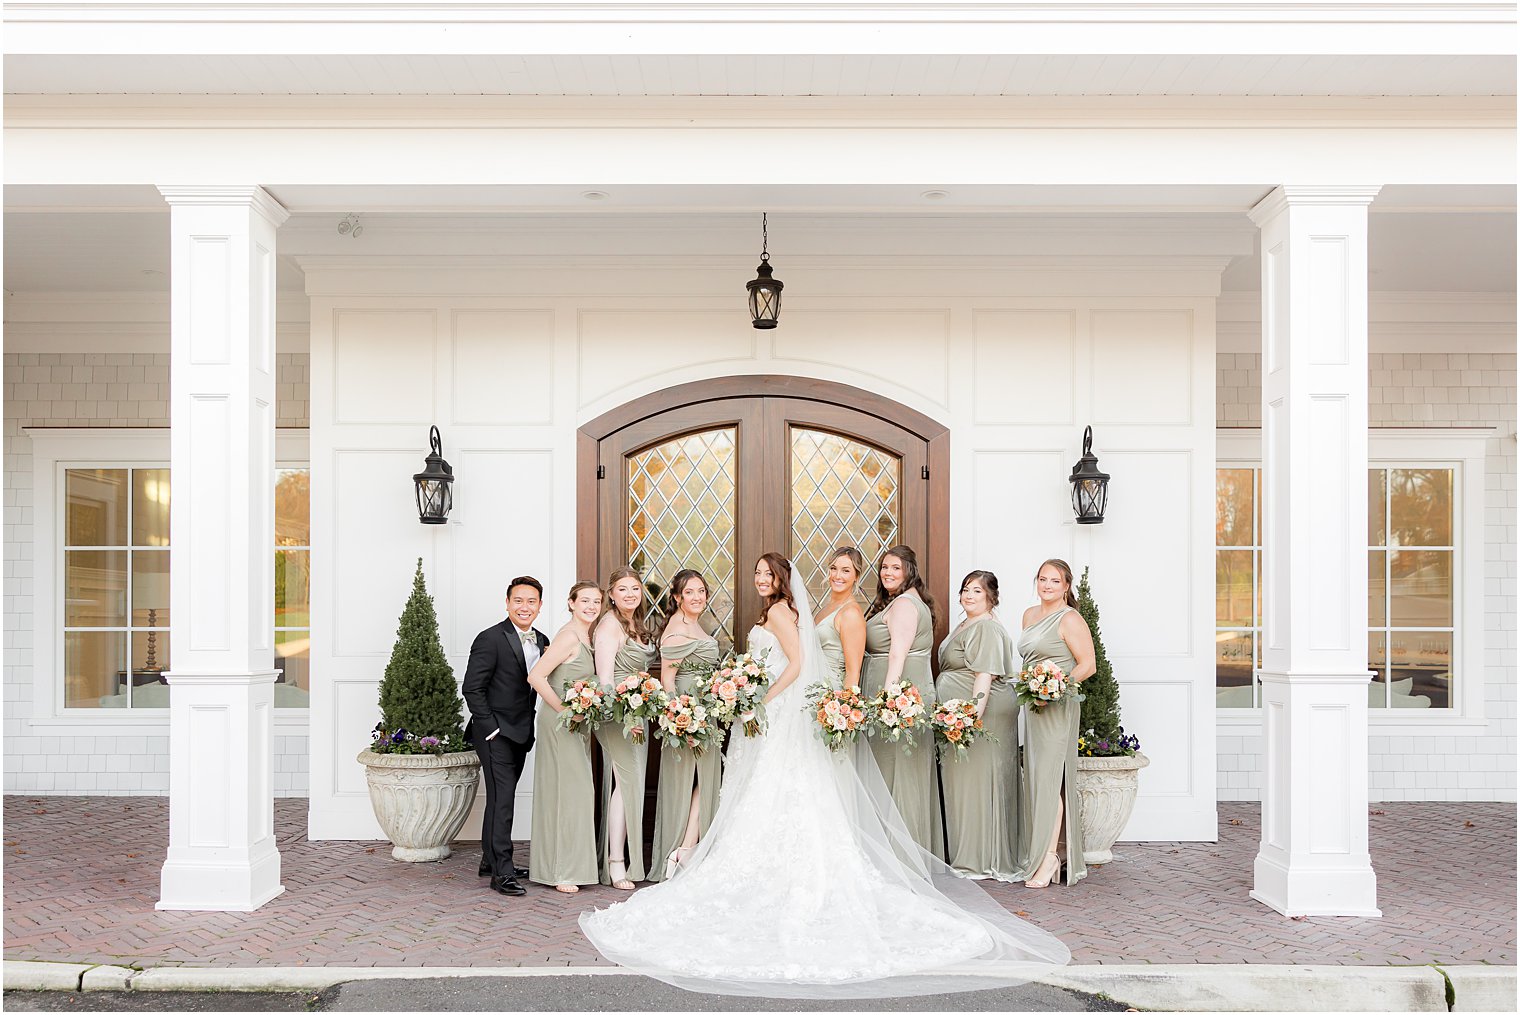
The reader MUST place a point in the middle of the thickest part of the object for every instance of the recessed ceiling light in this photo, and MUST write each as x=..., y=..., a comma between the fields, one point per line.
x=934, y=195
x=594, y=195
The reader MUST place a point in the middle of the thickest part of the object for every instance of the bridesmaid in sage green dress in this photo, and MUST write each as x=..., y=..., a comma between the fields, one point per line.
x=688, y=794
x=839, y=620
x=899, y=640
x=1054, y=630
x=624, y=646
x=563, y=852
x=982, y=793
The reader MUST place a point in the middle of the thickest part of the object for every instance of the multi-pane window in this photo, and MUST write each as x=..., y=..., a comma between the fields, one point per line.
x=1237, y=587
x=1410, y=592
x=115, y=590
x=292, y=587
x=1411, y=605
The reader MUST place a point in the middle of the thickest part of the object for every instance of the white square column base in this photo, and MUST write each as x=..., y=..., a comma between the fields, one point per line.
x=222, y=853
x=1313, y=859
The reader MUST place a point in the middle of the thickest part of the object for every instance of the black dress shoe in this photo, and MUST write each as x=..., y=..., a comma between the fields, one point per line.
x=485, y=869
x=507, y=886
x=517, y=872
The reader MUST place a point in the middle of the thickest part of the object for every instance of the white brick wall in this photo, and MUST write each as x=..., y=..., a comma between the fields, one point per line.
x=1417, y=390
x=95, y=390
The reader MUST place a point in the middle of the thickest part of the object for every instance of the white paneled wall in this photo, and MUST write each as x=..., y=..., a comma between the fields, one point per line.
x=1445, y=389
x=96, y=390
x=509, y=380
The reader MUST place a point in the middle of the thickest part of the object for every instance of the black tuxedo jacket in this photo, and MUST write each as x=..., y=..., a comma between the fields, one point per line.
x=496, y=687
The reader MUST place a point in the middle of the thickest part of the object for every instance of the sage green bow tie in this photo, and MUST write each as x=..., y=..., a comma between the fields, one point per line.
x=529, y=639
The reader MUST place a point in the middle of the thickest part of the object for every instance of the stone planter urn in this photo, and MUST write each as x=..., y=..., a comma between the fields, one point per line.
x=1106, y=789
x=421, y=800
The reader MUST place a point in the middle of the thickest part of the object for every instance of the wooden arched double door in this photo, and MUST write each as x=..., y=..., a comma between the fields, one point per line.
x=712, y=474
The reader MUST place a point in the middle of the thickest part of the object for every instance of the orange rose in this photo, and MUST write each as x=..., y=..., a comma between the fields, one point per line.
x=682, y=723
x=952, y=735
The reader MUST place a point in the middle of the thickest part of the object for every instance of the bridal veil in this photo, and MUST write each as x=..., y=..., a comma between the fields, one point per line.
x=808, y=884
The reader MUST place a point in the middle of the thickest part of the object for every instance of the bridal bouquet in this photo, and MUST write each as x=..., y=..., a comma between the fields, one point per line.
x=840, y=714
x=896, y=713
x=1042, y=683
x=585, y=706
x=735, y=691
x=957, y=726
x=685, y=722
x=635, y=699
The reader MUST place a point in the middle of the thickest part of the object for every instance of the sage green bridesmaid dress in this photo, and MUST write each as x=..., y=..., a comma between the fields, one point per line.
x=625, y=761
x=1051, y=756
x=679, y=769
x=564, y=800
x=833, y=649
x=912, y=777
x=982, y=793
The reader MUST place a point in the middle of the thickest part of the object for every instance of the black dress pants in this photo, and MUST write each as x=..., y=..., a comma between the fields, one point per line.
x=501, y=762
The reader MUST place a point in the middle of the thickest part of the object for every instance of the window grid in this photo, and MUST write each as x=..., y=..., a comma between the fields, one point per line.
x=124, y=643
x=1384, y=666
x=299, y=660
x=1253, y=630
x=1380, y=661
x=129, y=549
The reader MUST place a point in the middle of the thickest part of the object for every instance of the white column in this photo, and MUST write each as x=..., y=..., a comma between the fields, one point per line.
x=222, y=852
x=1313, y=858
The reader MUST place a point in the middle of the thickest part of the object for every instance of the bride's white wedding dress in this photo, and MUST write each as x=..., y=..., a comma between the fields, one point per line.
x=807, y=884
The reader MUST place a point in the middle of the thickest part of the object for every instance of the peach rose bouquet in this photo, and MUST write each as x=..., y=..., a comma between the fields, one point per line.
x=684, y=723
x=957, y=726
x=1042, y=683
x=585, y=707
x=634, y=700
x=840, y=714
x=896, y=713
x=735, y=691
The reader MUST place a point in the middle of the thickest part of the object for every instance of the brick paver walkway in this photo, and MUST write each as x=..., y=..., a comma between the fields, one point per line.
x=81, y=877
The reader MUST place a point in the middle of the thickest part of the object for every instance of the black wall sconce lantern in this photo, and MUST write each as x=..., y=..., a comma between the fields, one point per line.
x=435, y=493
x=764, y=291
x=1089, y=487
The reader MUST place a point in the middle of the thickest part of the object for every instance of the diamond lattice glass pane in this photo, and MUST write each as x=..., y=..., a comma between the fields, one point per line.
x=844, y=493
x=681, y=514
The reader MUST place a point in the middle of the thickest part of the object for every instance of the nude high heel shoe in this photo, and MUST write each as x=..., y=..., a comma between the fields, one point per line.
x=1049, y=868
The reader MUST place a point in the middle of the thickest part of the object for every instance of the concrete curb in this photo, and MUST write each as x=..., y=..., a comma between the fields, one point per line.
x=1195, y=987
x=1482, y=988
x=1183, y=987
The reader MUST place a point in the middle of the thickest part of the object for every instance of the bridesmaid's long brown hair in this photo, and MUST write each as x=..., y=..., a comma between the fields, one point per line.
x=1065, y=569
x=636, y=626
x=911, y=580
x=781, y=574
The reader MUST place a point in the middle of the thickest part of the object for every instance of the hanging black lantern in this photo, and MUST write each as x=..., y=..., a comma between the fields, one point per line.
x=1089, y=487
x=435, y=494
x=764, y=291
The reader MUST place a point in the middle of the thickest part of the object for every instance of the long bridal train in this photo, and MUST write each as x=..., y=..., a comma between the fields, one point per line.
x=809, y=885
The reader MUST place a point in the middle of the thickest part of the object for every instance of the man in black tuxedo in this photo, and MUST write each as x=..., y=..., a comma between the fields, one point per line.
x=501, y=707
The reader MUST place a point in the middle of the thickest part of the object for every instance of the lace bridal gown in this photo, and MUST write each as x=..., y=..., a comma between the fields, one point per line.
x=809, y=885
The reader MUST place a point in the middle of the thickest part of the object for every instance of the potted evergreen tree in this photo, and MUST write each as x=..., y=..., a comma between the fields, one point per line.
x=1108, y=759
x=422, y=775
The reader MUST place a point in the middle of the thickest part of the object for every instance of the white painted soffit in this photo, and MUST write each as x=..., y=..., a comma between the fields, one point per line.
x=698, y=28
x=826, y=76
x=675, y=48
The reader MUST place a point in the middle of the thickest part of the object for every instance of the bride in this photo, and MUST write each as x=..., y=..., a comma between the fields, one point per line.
x=808, y=883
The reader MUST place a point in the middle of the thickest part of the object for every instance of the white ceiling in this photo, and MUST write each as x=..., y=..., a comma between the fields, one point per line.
x=746, y=75
x=62, y=239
